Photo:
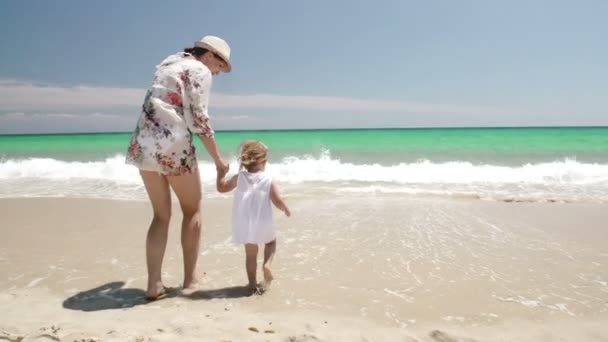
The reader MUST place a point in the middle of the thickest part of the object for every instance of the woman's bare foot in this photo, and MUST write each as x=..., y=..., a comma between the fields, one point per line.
x=194, y=283
x=156, y=291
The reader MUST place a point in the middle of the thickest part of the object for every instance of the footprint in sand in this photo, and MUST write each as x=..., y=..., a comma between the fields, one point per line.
x=302, y=338
x=49, y=333
x=5, y=335
x=267, y=331
x=440, y=336
x=80, y=337
x=49, y=336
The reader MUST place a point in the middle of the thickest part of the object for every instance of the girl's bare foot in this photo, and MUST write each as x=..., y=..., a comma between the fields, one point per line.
x=268, y=277
x=257, y=289
x=252, y=288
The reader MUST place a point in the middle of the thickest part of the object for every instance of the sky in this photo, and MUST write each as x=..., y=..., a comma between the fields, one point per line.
x=84, y=66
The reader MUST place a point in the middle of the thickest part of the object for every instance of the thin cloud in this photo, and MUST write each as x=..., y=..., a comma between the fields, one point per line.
x=328, y=103
x=235, y=117
x=28, y=96
x=21, y=115
x=106, y=116
x=55, y=115
x=36, y=122
x=12, y=115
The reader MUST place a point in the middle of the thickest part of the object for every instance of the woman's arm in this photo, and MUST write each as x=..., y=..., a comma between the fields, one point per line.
x=211, y=147
x=197, y=86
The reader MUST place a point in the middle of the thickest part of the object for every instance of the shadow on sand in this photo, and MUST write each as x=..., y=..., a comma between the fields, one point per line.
x=226, y=292
x=108, y=296
x=113, y=296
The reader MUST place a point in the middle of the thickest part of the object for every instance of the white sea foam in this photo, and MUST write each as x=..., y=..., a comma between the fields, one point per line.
x=564, y=180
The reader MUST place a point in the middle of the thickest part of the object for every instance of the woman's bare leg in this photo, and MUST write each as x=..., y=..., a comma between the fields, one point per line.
x=188, y=190
x=156, y=240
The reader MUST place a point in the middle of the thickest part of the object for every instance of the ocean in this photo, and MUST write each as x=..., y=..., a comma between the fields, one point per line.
x=501, y=164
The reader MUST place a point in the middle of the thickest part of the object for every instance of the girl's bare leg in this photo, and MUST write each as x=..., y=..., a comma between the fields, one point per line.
x=251, y=263
x=269, y=251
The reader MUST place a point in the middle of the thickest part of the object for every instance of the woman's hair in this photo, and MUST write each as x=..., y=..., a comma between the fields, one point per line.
x=252, y=154
x=196, y=51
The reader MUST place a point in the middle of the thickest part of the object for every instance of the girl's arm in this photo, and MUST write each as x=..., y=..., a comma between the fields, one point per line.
x=277, y=200
x=224, y=185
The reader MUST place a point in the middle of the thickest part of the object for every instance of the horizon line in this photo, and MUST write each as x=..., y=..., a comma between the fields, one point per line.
x=320, y=129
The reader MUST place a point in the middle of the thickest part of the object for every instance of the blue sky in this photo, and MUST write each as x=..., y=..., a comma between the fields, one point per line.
x=84, y=65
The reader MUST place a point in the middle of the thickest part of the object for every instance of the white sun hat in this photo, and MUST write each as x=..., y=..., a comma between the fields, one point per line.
x=218, y=46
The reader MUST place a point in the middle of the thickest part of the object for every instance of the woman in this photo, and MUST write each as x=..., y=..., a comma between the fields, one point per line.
x=175, y=109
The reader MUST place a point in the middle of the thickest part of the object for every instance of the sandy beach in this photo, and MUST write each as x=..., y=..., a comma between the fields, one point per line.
x=356, y=268
x=444, y=165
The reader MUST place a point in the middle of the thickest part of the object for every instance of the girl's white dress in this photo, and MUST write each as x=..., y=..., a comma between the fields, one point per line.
x=252, y=220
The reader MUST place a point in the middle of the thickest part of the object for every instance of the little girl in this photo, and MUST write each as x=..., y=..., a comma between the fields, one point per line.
x=252, y=222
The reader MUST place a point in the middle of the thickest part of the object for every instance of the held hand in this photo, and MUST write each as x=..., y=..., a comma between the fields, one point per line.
x=221, y=173
x=287, y=212
x=222, y=167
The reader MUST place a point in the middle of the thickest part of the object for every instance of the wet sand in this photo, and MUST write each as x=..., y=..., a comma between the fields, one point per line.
x=368, y=268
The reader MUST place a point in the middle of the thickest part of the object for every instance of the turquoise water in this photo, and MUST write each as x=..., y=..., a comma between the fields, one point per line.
x=510, y=146
x=510, y=164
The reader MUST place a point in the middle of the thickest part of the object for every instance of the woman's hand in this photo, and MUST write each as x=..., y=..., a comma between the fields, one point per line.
x=222, y=166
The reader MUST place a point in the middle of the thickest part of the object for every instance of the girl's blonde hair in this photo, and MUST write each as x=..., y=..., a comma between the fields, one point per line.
x=252, y=154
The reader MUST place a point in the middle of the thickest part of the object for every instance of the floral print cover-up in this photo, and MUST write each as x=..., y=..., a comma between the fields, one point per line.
x=174, y=109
